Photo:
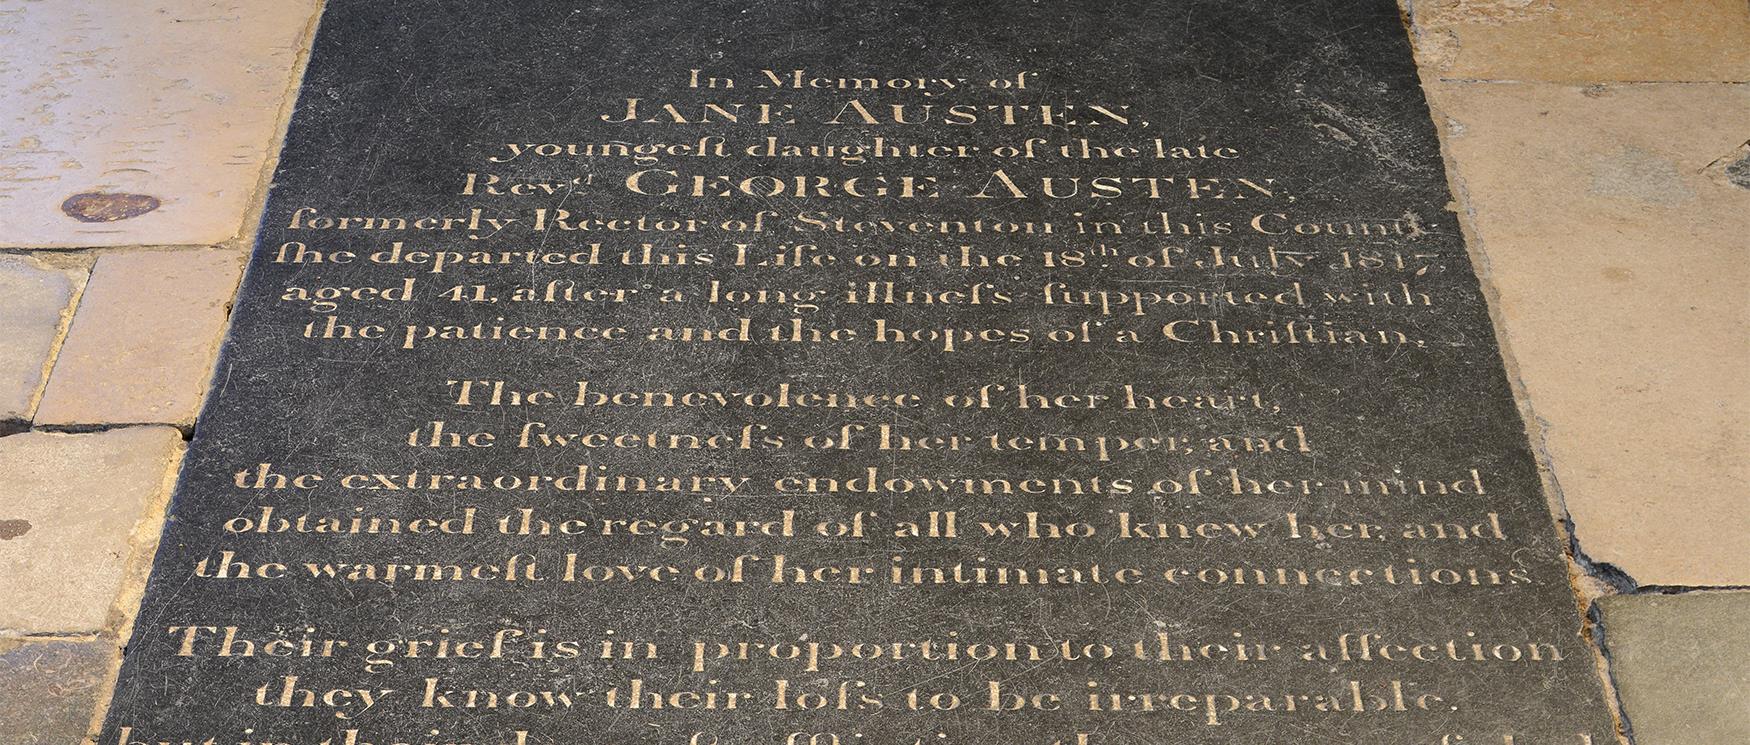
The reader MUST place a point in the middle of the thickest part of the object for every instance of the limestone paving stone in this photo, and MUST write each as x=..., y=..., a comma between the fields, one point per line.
x=51, y=686
x=1619, y=258
x=1682, y=666
x=140, y=123
x=1585, y=41
x=80, y=515
x=36, y=301
x=142, y=343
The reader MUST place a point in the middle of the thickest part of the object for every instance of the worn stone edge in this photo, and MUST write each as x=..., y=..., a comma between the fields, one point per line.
x=78, y=266
x=1588, y=580
x=256, y=206
x=142, y=550
x=126, y=609
x=140, y=545
x=210, y=342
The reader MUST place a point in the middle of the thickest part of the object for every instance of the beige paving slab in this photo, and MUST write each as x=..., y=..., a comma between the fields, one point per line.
x=1585, y=41
x=51, y=687
x=143, y=339
x=36, y=302
x=139, y=123
x=1682, y=666
x=1619, y=245
x=80, y=515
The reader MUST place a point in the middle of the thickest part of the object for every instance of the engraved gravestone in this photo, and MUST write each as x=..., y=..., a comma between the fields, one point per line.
x=898, y=373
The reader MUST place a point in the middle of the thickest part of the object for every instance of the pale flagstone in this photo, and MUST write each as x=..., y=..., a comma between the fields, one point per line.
x=1584, y=41
x=50, y=688
x=80, y=516
x=1620, y=252
x=1682, y=666
x=164, y=109
x=36, y=301
x=143, y=339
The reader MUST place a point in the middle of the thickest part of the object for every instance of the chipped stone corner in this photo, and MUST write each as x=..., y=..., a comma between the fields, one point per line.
x=1486, y=12
x=1434, y=24
x=143, y=544
x=1731, y=169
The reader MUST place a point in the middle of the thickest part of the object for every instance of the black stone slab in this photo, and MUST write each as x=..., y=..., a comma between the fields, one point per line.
x=1022, y=372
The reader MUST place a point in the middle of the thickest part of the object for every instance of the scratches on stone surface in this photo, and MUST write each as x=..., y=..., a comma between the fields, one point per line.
x=1354, y=130
x=1334, y=94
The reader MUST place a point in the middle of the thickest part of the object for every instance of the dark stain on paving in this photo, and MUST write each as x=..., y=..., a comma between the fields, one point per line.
x=97, y=206
x=10, y=529
x=1738, y=172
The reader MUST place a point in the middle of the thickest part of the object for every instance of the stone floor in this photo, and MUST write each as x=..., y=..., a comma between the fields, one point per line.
x=1600, y=150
